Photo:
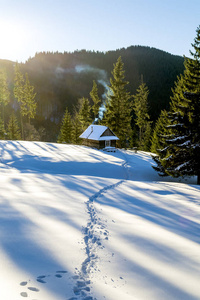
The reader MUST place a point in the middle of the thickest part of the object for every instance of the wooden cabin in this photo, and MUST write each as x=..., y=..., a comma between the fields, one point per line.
x=99, y=137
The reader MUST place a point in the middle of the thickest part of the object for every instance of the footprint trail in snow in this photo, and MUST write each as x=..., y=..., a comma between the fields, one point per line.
x=41, y=279
x=94, y=232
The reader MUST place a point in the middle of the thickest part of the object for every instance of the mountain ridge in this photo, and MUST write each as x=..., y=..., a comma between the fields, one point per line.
x=60, y=79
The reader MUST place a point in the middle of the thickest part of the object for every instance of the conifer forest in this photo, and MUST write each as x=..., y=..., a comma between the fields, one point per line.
x=148, y=97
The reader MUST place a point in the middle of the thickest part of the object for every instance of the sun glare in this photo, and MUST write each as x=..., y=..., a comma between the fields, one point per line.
x=13, y=40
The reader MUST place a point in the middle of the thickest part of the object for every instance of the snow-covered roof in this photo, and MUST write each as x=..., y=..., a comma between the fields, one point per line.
x=94, y=132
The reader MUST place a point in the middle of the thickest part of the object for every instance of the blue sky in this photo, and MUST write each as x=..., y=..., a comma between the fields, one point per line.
x=27, y=27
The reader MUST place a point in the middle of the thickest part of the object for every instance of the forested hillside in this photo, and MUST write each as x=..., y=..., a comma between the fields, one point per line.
x=60, y=79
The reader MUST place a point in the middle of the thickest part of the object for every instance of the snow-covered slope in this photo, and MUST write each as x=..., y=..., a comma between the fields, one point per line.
x=78, y=223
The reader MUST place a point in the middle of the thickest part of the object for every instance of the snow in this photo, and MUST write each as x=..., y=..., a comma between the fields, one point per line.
x=178, y=138
x=181, y=166
x=94, y=132
x=78, y=223
x=108, y=138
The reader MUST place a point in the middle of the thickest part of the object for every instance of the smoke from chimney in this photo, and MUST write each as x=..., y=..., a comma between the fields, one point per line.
x=100, y=73
x=103, y=80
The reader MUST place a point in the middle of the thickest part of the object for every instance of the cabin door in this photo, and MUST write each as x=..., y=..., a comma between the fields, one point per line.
x=107, y=143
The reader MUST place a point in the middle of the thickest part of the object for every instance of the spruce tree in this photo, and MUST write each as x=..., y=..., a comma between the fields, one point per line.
x=118, y=106
x=181, y=155
x=31, y=133
x=65, y=135
x=140, y=107
x=76, y=129
x=2, y=130
x=19, y=91
x=96, y=100
x=28, y=105
x=13, y=130
x=84, y=113
x=4, y=92
x=24, y=93
x=158, y=141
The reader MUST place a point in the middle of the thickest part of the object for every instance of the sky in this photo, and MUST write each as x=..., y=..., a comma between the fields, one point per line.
x=27, y=27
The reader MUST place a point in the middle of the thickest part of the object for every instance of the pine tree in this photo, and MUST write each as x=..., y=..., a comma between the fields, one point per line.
x=4, y=93
x=65, y=135
x=118, y=106
x=2, y=130
x=96, y=100
x=140, y=107
x=24, y=93
x=84, y=113
x=13, y=130
x=181, y=155
x=19, y=91
x=31, y=133
x=76, y=130
x=157, y=141
x=28, y=105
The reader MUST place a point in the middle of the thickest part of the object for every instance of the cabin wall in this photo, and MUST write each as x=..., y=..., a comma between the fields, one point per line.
x=97, y=144
x=108, y=132
x=91, y=143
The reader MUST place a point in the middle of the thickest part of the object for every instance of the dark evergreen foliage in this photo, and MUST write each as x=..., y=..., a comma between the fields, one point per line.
x=2, y=130
x=76, y=129
x=4, y=92
x=181, y=154
x=24, y=94
x=60, y=79
x=159, y=132
x=65, y=135
x=13, y=131
x=96, y=101
x=140, y=106
x=85, y=113
x=118, y=107
x=31, y=133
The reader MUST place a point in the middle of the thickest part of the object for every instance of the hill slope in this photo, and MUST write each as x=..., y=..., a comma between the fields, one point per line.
x=78, y=223
x=60, y=79
x=69, y=76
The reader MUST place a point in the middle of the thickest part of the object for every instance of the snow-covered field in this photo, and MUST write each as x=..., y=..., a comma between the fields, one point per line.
x=78, y=223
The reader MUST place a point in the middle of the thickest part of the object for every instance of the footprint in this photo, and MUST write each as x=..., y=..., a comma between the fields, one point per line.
x=41, y=280
x=41, y=276
x=61, y=272
x=76, y=290
x=23, y=283
x=83, y=294
x=24, y=294
x=33, y=289
x=81, y=284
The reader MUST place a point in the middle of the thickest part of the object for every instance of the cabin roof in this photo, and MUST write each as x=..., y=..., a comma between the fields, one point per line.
x=95, y=132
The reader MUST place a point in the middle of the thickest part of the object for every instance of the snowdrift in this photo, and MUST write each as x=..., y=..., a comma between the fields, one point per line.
x=78, y=223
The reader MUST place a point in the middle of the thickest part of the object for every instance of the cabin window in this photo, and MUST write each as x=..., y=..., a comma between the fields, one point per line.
x=107, y=143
